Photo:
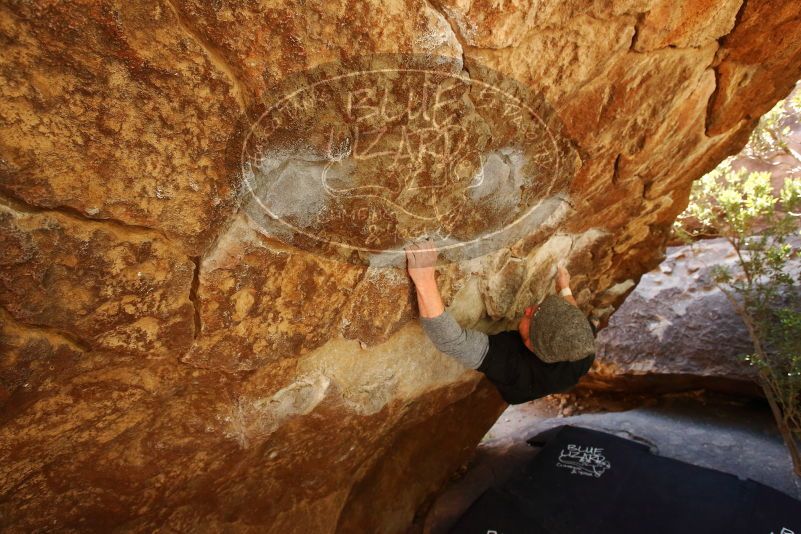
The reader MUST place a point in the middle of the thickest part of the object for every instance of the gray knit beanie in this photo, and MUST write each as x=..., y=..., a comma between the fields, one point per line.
x=560, y=332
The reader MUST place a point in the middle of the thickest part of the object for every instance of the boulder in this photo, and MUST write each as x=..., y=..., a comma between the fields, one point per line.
x=677, y=330
x=173, y=355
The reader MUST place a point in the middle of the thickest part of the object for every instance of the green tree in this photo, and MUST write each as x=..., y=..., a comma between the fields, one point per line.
x=763, y=229
x=771, y=136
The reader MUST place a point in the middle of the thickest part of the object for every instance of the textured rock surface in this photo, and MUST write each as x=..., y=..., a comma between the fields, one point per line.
x=676, y=330
x=167, y=365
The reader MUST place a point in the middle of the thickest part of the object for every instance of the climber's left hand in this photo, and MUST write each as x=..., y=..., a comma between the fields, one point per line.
x=562, y=278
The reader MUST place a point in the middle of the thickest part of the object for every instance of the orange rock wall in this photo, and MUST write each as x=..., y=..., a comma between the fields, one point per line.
x=164, y=365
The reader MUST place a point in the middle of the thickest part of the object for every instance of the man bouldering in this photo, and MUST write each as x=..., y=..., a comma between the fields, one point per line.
x=553, y=347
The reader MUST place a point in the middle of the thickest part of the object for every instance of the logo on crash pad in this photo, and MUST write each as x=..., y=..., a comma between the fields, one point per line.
x=587, y=461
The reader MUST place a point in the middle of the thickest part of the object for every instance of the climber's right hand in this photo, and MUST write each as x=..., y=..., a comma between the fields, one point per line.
x=421, y=258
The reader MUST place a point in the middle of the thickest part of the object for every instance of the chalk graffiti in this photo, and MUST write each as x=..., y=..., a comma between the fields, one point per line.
x=354, y=160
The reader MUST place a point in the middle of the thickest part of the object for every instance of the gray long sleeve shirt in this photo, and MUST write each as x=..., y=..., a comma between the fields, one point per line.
x=516, y=371
x=468, y=346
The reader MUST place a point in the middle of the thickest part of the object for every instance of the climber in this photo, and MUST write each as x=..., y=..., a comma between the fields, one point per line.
x=553, y=347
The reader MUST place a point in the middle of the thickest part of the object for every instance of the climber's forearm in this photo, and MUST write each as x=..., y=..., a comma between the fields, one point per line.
x=467, y=346
x=562, y=283
x=429, y=301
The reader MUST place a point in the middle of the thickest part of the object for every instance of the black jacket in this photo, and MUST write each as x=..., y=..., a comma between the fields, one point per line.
x=521, y=376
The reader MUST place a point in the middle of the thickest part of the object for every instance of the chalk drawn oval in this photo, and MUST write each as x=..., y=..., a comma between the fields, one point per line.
x=356, y=160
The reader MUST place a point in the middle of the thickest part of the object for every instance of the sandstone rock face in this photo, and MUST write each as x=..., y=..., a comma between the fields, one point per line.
x=169, y=362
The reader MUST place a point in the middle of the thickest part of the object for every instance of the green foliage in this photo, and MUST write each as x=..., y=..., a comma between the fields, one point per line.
x=795, y=103
x=762, y=227
x=771, y=135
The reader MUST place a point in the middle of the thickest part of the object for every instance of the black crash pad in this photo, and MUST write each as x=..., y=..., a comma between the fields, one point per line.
x=590, y=482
